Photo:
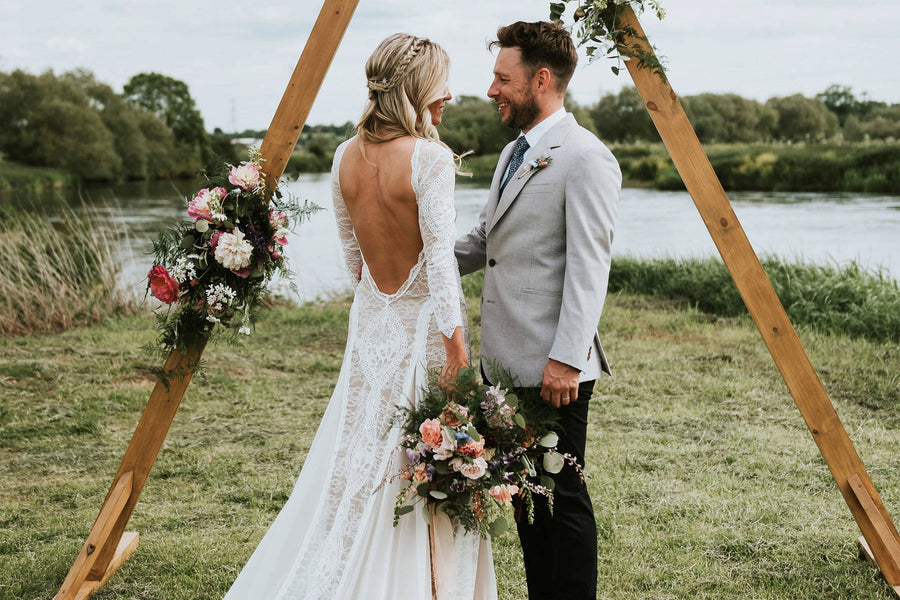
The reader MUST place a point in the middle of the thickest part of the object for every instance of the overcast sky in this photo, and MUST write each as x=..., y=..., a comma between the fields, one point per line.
x=237, y=57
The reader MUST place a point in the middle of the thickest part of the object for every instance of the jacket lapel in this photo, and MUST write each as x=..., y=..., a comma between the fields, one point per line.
x=552, y=139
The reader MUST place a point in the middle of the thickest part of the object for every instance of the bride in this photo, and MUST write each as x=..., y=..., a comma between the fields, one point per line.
x=392, y=186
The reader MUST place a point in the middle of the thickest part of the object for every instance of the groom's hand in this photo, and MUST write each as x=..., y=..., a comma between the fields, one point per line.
x=560, y=384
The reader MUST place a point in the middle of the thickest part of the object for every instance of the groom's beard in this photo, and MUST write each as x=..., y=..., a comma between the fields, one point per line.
x=522, y=115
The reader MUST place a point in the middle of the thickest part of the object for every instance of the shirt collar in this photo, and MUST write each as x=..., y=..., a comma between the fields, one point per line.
x=535, y=134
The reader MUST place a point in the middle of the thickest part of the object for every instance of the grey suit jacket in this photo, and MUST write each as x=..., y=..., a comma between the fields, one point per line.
x=545, y=247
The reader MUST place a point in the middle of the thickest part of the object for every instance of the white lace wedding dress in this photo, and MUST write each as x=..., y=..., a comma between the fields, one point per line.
x=334, y=538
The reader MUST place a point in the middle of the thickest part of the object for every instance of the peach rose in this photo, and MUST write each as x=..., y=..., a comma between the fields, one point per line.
x=432, y=432
x=473, y=470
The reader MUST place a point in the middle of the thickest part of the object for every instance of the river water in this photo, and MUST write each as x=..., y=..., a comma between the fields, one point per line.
x=813, y=227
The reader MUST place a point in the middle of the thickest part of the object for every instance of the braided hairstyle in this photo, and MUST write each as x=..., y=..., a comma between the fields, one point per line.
x=404, y=75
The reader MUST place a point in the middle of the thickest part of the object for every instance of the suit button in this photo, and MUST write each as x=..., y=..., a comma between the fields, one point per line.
x=492, y=262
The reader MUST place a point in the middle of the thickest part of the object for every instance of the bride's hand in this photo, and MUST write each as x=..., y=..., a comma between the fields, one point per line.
x=457, y=357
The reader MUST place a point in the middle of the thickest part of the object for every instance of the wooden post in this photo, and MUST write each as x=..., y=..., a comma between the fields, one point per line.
x=766, y=309
x=108, y=545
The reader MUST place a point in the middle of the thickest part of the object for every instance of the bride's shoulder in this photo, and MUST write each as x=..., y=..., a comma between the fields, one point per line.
x=431, y=151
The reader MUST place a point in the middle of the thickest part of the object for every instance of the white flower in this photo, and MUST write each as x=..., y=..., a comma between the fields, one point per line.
x=233, y=251
x=245, y=330
x=219, y=296
x=183, y=270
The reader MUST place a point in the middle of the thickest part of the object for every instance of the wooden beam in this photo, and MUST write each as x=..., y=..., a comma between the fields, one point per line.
x=104, y=551
x=764, y=306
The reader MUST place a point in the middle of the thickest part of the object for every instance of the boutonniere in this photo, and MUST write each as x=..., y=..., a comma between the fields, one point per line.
x=536, y=164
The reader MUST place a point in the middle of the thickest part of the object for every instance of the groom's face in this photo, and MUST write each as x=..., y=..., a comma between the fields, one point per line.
x=513, y=91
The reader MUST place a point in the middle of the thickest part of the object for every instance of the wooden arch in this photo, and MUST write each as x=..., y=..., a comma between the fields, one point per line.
x=108, y=545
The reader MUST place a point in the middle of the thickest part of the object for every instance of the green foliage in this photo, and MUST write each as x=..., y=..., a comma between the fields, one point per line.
x=74, y=123
x=623, y=117
x=729, y=118
x=171, y=100
x=844, y=300
x=472, y=123
x=801, y=118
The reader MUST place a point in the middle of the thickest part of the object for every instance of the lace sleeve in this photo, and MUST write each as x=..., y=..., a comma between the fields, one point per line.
x=352, y=254
x=433, y=179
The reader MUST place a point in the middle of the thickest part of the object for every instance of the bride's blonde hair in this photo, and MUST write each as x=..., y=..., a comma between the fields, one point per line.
x=404, y=75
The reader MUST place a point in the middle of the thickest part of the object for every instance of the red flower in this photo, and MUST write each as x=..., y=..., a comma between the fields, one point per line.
x=162, y=286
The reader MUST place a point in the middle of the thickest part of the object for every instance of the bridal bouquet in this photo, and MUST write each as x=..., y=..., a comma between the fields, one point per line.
x=215, y=269
x=471, y=449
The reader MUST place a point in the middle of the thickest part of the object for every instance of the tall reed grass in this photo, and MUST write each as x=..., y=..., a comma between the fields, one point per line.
x=838, y=299
x=57, y=273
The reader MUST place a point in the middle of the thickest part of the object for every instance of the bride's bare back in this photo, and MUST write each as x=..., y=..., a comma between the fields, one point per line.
x=382, y=206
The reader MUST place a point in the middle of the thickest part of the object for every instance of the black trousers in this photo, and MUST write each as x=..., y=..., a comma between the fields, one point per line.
x=560, y=549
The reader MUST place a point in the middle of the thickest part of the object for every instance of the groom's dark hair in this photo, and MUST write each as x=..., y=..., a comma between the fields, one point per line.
x=543, y=44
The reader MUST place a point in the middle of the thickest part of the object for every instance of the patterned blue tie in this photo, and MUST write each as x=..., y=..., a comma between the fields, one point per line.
x=516, y=161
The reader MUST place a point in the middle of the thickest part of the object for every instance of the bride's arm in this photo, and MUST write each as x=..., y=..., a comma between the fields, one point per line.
x=352, y=254
x=434, y=177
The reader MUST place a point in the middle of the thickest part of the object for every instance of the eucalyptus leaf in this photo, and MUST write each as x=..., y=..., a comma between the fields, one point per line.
x=187, y=242
x=548, y=482
x=512, y=401
x=550, y=440
x=498, y=527
x=426, y=514
x=201, y=225
x=553, y=462
x=520, y=420
x=408, y=508
x=438, y=495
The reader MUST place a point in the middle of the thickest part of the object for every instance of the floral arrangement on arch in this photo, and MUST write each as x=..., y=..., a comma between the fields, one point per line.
x=215, y=270
x=597, y=25
x=472, y=450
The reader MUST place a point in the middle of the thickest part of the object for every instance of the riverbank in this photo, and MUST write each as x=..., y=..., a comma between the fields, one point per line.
x=697, y=458
x=872, y=167
x=868, y=167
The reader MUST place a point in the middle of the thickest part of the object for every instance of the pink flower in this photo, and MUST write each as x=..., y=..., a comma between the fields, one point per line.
x=214, y=240
x=245, y=176
x=279, y=222
x=503, y=493
x=419, y=474
x=207, y=204
x=432, y=432
x=162, y=285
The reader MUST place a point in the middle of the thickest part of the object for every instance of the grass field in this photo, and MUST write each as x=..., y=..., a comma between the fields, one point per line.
x=705, y=482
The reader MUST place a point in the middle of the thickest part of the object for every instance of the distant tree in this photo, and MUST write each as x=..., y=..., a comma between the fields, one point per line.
x=472, y=123
x=52, y=122
x=623, y=117
x=729, y=118
x=171, y=100
x=120, y=118
x=581, y=113
x=801, y=118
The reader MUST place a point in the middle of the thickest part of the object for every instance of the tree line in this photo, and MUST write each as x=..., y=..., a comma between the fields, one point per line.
x=73, y=122
x=153, y=129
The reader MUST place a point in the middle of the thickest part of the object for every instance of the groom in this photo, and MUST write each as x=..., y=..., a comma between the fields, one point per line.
x=544, y=241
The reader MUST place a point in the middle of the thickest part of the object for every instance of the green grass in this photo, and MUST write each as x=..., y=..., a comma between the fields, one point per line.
x=26, y=180
x=705, y=480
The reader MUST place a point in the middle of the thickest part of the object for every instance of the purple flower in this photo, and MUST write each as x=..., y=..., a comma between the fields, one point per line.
x=412, y=456
x=457, y=486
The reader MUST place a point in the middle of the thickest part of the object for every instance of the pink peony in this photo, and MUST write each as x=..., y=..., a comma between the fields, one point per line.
x=245, y=176
x=279, y=222
x=432, y=433
x=206, y=204
x=504, y=493
x=162, y=285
